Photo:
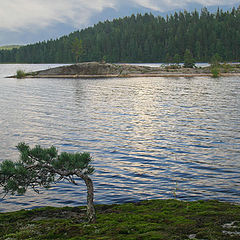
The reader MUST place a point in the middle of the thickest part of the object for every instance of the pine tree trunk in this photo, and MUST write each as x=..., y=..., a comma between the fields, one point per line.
x=90, y=206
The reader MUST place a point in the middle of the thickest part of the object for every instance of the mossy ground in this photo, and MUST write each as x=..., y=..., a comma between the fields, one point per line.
x=155, y=219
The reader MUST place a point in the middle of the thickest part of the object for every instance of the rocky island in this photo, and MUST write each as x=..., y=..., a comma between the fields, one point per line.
x=108, y=70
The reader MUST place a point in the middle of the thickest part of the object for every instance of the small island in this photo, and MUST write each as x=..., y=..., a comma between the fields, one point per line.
x=109, y=70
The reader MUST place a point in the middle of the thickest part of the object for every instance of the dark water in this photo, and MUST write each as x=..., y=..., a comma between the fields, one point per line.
x=150, y=137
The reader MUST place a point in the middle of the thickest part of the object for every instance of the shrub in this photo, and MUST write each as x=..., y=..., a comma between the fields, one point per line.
x=215, y=72
x=215, y=60
x=20, y=74
x=226, y=67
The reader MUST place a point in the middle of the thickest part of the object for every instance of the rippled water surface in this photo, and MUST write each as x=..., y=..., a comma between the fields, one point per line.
x=149, y=137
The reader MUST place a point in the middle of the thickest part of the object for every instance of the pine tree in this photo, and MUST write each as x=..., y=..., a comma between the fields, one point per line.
x=77, y=49
x=189, y=61
x=41, y=167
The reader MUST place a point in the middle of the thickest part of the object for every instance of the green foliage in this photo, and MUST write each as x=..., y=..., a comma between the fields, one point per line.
x=20, y=74
x=215, y=60
x=104, y=59
x=10, y=184
x=177, y=58
x=39, y=167
x=226, y=67
x=189, y=61
x=215, y=72
x=142, y=38
x=71, y=162
x=77, y=48
x=215, y=65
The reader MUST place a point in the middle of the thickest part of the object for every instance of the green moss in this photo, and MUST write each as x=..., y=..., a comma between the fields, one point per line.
x=155, y=219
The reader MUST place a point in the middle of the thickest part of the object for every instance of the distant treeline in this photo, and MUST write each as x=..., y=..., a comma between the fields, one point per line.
x=9, y=47
x=142, y=38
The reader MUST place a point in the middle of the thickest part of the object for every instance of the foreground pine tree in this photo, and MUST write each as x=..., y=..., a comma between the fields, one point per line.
x=41, y=167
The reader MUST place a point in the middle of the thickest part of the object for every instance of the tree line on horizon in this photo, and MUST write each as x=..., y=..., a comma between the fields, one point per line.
x=142, y=38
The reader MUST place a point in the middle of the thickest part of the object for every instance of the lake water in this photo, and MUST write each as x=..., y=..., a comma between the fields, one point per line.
x=149, y=137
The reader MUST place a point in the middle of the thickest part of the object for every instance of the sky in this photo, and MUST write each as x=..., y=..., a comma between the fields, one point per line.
x=29, y=21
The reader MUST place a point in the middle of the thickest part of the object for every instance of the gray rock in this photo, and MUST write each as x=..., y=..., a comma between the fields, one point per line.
x=96, y=68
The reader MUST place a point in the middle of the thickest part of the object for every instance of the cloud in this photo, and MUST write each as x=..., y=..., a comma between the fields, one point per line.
x=18, y=15
x=167, y=5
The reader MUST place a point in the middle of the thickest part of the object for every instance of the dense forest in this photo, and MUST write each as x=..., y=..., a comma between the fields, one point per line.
x=142, y=38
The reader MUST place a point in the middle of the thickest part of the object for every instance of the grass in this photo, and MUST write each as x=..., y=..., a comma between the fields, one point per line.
x=153, y=219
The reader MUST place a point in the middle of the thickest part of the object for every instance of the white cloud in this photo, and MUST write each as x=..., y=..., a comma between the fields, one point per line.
x=162, y=5
x=17, y=15
x=166, y=5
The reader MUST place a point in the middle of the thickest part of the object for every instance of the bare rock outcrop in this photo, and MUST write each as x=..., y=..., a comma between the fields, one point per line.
x=108, y=70
x=96, y=68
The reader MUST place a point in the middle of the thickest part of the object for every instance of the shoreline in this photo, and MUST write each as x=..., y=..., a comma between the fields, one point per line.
x=147, y=219
x=108, y=70
x=167, y=75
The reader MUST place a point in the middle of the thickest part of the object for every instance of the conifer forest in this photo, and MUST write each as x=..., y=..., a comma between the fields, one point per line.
x=142, y=38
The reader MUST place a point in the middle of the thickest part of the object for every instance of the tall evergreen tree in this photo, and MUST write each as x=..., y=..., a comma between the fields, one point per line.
x=189, y=61
x=77, y=48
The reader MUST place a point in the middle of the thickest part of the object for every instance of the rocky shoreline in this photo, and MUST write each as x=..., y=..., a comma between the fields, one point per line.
x=107, y=70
